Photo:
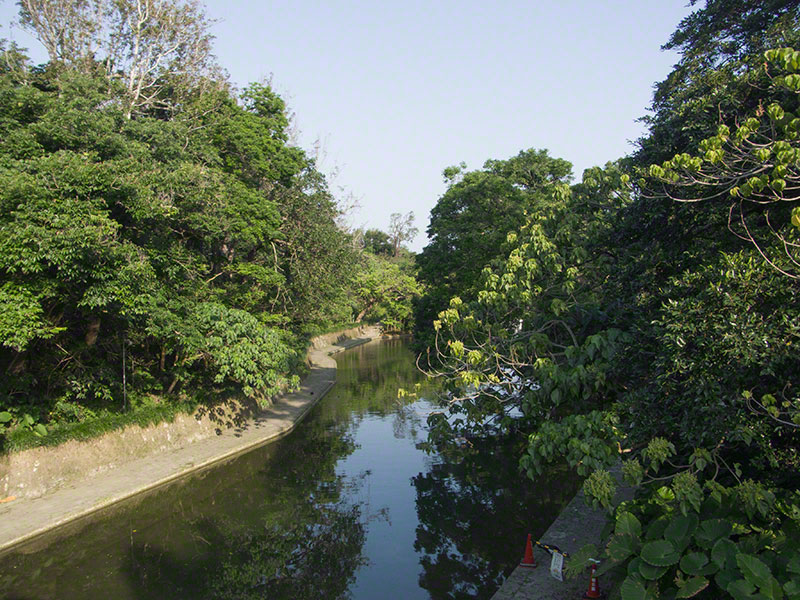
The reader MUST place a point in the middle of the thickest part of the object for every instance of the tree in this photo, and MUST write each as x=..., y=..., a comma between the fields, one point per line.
x=545, y=351
x=157, y=49
x=471, y=221
x=718, y=43
x=154, y=44
x=377, y=242
x=401, y=229
x=622, y=326
x=384, y=293
x=753, y=171
x=68, y=29
x=205, y=246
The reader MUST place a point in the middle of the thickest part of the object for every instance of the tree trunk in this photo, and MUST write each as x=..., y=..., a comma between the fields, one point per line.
x=363, y=313
x=92, y=331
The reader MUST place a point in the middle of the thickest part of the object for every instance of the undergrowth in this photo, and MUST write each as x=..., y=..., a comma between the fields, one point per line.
x=18, y=439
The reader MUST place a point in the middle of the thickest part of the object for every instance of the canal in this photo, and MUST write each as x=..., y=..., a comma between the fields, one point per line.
x=346, y=506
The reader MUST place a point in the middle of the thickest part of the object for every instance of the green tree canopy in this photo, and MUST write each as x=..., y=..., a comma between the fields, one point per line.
x=470, y=222
x=621, y=325
x=199, y=240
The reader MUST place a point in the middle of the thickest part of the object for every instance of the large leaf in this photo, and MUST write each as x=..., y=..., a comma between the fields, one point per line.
x=660, y=553
x=794, y=565
x=725, y=577
x=754, y=570
x=633, y=589
x=694, y=563
x=743, y=590
x=650, y=572
x=655, y=530
x=633, y=566
x=724, y=553
x=622, y=546
x=628, y=523
x=772, y=589
x=712, y=530
x=692, y=587
x=579, y=560
x=681, y=527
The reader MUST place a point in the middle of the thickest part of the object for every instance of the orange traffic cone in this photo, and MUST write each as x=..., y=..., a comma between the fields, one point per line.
x=594, y=586
x=528, y=560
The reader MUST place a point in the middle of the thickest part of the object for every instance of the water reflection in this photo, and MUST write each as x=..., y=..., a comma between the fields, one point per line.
x=474, y=511
x=345, y=506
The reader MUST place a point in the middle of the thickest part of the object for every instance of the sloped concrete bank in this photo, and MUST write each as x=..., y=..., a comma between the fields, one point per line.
x=577, y=525
x=45, y=488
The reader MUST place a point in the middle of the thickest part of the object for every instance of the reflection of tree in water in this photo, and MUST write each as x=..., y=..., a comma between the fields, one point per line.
x=368, y=385
x=302, y=561
x=303, y=541
x=459, y=505
x=305, y=559
x=407, y=422
x=275, y=523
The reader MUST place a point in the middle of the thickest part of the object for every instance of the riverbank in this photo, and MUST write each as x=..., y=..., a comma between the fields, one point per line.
x=577, y=525
x=111, y=475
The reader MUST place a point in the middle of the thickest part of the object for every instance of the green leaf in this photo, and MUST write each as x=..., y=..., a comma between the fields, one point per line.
x=772, y=590
x=40, y=430
x=794, y=565
x=555, y=396
x=633, y=566
x=694, y=563
x=660, y=553
x=742, y=590
x=724, y=553
x=622, y=546
x=692, y=587
x=5, y=417
x=628, y=523
x=632, y=589
x=680, y=527
x=579, y=560
x=655, y=530
x=712, y=530
x=650, y=572
x=754, y=570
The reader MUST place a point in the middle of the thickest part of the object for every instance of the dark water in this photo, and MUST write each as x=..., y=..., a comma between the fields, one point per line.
x=345, y=506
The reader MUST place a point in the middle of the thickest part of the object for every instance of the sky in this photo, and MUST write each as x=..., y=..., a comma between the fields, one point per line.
x=389, y=93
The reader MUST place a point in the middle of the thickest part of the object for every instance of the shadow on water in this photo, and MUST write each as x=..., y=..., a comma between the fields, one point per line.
x=293, y=519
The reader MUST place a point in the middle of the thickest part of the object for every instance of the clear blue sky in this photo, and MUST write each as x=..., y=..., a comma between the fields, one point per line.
x=398, y=90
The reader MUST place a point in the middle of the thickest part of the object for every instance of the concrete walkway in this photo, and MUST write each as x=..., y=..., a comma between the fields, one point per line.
x=23, y=520
x=577, y=525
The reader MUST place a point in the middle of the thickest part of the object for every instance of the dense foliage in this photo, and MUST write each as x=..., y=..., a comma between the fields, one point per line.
x=469, y=224
x=160, y=237
x=183, y=240
x=655, y=323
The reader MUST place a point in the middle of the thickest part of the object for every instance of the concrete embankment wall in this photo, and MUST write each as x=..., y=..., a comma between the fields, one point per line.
x=35, y=472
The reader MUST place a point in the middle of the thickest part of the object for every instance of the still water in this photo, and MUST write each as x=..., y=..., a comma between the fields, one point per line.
x=346, y=506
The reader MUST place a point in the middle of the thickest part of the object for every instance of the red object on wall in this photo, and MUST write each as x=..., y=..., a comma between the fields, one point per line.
x=528, y=560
